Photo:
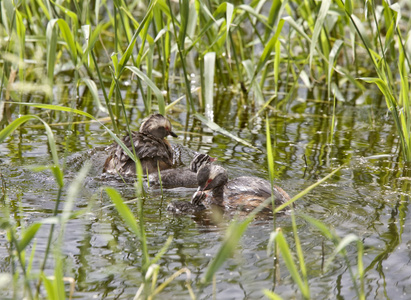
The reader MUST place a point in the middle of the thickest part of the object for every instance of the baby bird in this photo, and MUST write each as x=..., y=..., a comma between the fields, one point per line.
x=242, y=193
x=181, y=177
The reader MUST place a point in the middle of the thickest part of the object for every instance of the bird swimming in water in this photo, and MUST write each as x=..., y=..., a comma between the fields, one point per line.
x=243, y=193
x=150, y=145
x=181, y=177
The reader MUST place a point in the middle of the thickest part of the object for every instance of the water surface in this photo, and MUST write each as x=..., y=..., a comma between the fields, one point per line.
x=369, y=197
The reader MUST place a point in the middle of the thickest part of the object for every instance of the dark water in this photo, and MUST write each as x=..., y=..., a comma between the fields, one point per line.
x=369, y=197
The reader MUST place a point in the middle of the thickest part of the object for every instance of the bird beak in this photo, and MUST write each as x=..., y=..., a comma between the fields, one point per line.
x=198, y=197
x=205, y=186
x=172, y=134
x=213, y=159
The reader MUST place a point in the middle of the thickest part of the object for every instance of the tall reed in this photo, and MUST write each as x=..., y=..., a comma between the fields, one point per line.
x=244, y=47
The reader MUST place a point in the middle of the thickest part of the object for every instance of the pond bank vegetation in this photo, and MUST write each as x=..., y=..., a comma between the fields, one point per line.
x=197, y=58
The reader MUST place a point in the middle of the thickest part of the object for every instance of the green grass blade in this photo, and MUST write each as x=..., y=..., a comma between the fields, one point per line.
x=48, y=284
x=233, y=235
x=277, y=58
x=405, y=90
x=72, y=192
x=167, y=281
x=126, y=56
x=340, y=248
x=163, y=7
x=209, y=69
x=289, y=262
x=140, y=174
x=68, y=36
x=307, y=190
x=389, y=37
x=58, y=281
x=248, y=66
x=300, y=254
x=144, y=37
x=130, y=220
x=297, y=27
x=126, y=26
x=213, y=126
x=361, y=30
x=332, y=121
x=9, y=129
x=51, y=38
x=94, y=92
x=76, y=111
x=97, y=10
x=271, y=249
x=18, y=122
x=268, y=49
x=350, y=238
x=271, y=295
x=8, y=10
x=348, y=5
x=333, y=54
x=162, y=251
x=180, y=47
x=52, y=143
x=27, y=236
x=85, y=31
x=149, y=67
x=325, y=230
x=261, y=18
x=21, y=33
x=192, y=21
x=151, y=84
x=206, y=29
x=382, y=85
x=272, y=17
x=325, y=5
x=360, y=268
x=31, y=258
x=106, y=98
x=95, y=33
x=346, y=73
x=405, y=101
x=184, y=17
x=123, y=210
x=270, y=154
x=69, y=13
x=229, y=17
x=114, y=60
x=346, y=241
x=58, y=108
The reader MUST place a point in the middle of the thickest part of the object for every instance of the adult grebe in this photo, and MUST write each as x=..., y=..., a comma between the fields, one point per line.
x=150, y=145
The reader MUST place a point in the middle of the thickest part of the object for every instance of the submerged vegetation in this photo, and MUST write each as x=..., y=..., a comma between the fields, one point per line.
x=183, y=56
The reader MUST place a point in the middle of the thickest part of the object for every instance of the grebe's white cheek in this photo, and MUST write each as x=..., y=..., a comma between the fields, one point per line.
x=214, y=172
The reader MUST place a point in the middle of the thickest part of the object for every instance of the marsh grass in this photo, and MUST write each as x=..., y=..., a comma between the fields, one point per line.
x=397, y=96
x=239, y=46
x=54, y=286
x=150, y=268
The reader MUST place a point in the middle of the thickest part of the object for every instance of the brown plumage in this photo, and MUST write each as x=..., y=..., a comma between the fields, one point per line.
x=243, y=193
x=181, y=177
x=215, y=190
x=150, y=145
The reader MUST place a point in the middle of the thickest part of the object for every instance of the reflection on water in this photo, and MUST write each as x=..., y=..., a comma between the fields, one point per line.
x=368, y=197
